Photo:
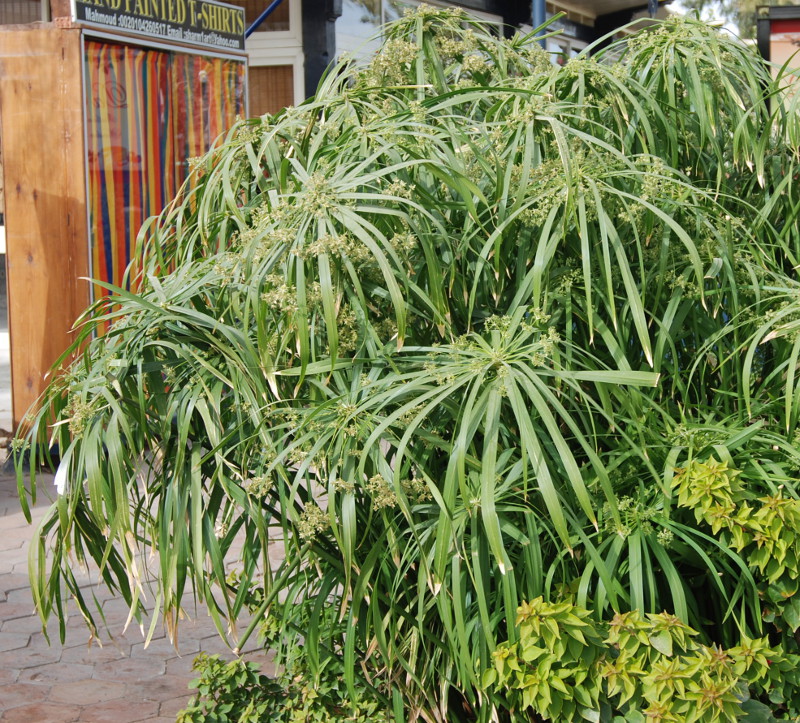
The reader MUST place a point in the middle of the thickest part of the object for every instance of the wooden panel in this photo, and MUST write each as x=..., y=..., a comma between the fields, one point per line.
x=271, y=88
x=278, y=20
x=46, y=235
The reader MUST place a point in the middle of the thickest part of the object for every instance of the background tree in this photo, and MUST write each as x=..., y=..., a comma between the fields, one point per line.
x=740, y=14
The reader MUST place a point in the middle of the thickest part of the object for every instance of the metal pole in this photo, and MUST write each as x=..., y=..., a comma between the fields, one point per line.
x=261, y=18
x=538, y=15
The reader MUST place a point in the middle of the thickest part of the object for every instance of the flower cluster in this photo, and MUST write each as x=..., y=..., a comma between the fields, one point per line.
x=383, y=496
x=312, y=522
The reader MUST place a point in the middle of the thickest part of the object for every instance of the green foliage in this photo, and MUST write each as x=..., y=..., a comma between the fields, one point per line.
x=553, y=666
x=466, y=329
x=651, y=668
x=764, y=531
x=234, y=692
x=709, y=489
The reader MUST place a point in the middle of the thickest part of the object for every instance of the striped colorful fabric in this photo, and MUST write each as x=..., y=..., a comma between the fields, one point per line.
x=148, y=112
x=207, y=95
x=131, y=149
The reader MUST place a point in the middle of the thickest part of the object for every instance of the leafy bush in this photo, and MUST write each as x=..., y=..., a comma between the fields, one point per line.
x=467, y=329
x=234, y=692
x=640, y=669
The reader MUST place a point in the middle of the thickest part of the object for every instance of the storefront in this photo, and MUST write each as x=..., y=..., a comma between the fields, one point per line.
x=101, y=114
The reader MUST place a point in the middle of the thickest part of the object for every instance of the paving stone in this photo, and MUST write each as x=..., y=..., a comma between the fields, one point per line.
x=78, y=630
x=9, y=582
x=265, y=661
x=117, y=631
x=15, y=521
x=13, y=641
x=31, y=624
x=119, y=711
x=15, y=536
x=131, y=669
x=43, y=713
x=165, y=648
x=86, y=692
x=134, y=634
x=76, y=624
x=19, y=562
x=12, y=540
x=81, y=637
x=100, y=596
x=11, y=611
x=8, y=675
x=18, y=694
x=55, y=673
x=166, y=687
x=115, y=619
x=95, y=655
x=169, y=708
x=121, y=682
x=21, y=594
x=214, y=644
x=30, y=657
x=181, y=666
x=40, y=642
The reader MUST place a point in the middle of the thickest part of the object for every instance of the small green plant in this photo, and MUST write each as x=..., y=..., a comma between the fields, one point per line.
x=652, y=668
x=229, y=692
x=550, y=668
x=234, y=692
x=765, y=531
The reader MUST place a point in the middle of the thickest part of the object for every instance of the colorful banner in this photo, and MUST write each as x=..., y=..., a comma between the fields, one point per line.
x=148, y=113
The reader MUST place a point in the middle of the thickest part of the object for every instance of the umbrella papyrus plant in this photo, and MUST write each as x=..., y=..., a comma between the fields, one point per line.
x=455, y=334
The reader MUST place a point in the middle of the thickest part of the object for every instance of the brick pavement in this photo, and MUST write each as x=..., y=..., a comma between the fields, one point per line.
x=120, y=682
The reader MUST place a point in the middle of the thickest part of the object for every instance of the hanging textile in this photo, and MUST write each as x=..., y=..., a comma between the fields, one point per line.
x=131, y=153
x=207, y=95
x=148, y=113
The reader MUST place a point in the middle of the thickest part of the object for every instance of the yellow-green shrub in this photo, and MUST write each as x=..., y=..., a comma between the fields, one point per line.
x=566, y=668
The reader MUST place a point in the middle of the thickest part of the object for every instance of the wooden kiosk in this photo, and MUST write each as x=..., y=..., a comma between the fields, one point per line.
x=100, y=112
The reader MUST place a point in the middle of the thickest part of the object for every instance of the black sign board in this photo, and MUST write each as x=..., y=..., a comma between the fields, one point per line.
x=208, y=23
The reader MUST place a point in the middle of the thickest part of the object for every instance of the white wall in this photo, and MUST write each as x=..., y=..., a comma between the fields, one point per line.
x=281, y=47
